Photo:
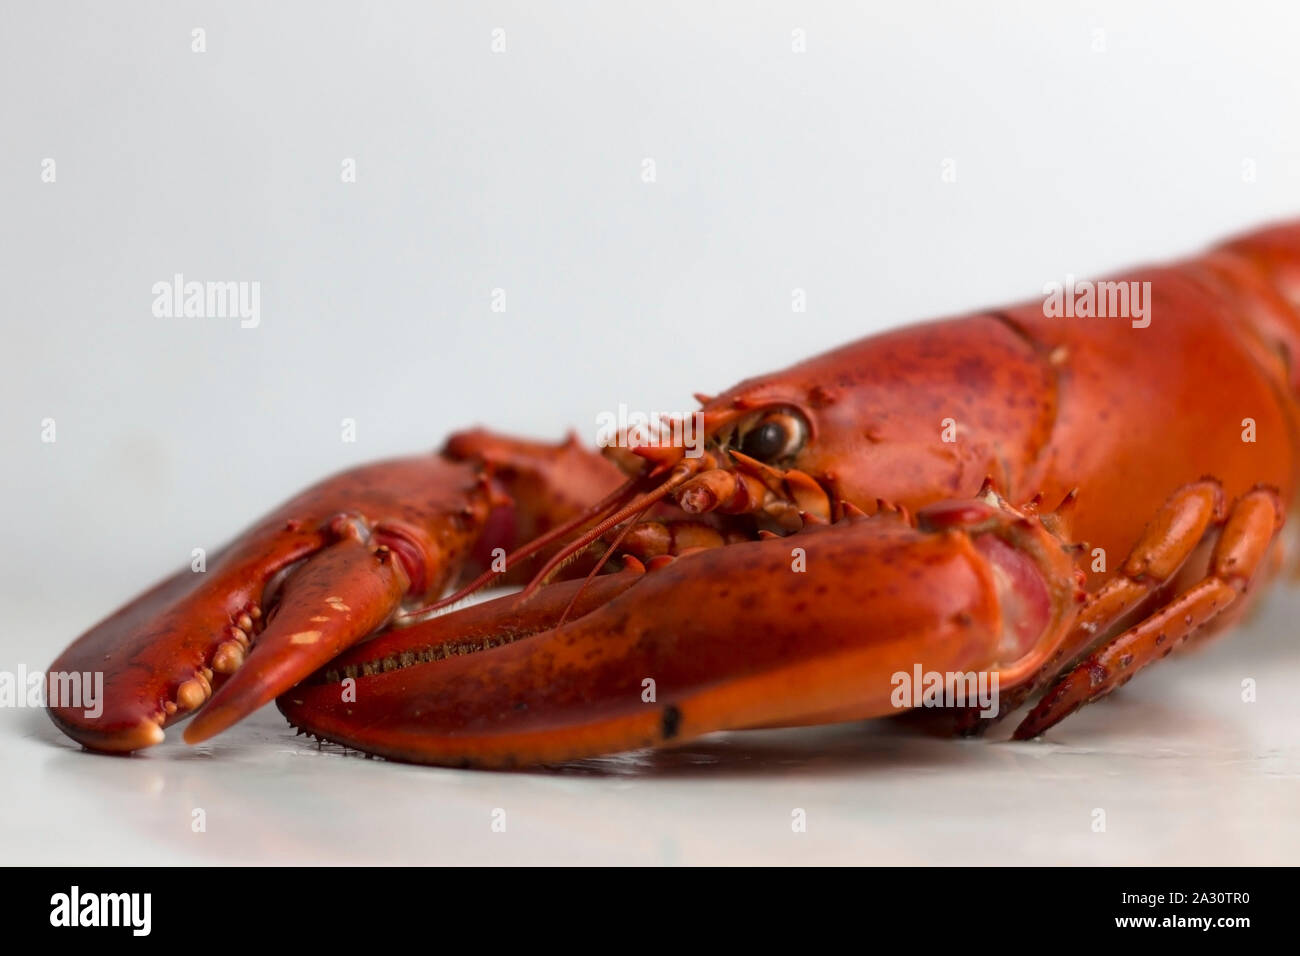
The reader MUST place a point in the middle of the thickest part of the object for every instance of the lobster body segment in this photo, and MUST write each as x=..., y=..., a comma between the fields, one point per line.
x=1057, y=498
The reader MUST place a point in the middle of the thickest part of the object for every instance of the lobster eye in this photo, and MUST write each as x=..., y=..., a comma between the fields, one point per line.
x=776, y=435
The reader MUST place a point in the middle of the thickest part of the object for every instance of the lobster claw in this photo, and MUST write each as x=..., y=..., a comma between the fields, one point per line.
x=342, y=594
x=786, y=630
x=322, y=572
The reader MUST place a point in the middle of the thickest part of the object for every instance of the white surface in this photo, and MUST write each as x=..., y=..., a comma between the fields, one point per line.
x=522, y=171
x=1185, y=771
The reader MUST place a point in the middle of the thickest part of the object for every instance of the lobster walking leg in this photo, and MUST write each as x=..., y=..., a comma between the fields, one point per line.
x=1251, y=528
x=1167, y=542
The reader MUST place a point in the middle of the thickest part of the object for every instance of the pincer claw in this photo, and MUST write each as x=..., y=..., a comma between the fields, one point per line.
x=319, y=574
x=346, y=592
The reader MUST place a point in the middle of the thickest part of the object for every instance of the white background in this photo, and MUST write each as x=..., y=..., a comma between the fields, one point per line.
x=523, y=171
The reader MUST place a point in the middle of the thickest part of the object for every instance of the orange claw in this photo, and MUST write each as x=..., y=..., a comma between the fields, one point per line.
x=726, y=638
x=347, y=591
x=319, y=574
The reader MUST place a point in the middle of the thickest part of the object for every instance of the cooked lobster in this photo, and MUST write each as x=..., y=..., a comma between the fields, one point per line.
x=1056, y=495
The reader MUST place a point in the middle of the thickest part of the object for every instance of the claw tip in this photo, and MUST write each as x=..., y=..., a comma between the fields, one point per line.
x=150, y=733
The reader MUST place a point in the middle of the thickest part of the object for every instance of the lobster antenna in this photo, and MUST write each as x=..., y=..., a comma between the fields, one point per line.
x=634, y=508
x=613, y=546
x=527, y=550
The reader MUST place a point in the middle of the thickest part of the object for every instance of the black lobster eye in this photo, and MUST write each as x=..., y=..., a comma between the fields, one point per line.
x=777, y=435
x=764, y=442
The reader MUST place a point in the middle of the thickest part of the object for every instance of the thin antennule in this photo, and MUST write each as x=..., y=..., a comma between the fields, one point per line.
x=637, y=506
x=528, y=549
x=609, y=552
